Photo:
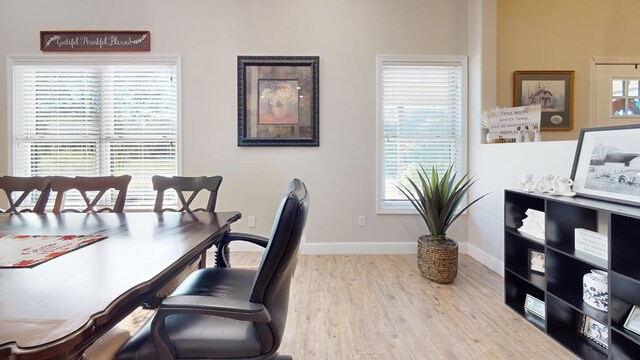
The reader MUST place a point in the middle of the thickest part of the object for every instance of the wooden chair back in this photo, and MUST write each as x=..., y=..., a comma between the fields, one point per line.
x=86, y=186
x=25, y=185
x=182, y=185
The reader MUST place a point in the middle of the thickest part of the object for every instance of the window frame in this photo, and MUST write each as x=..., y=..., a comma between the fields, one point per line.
x=405, y=207
x=14, y=60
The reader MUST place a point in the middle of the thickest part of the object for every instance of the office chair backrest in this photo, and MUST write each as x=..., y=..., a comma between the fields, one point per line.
x=273, y=278
x=26, y=186
x=86, y=186
x=183, y=184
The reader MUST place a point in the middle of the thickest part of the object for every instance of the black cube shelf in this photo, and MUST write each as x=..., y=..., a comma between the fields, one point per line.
x=561, y=284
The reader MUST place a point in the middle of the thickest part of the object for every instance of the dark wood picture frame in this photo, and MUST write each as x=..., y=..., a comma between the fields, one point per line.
x=607, y=164
x=270, y=111
x=95, y=40
x=532, y=253
x=553, y=90
x=594, y=331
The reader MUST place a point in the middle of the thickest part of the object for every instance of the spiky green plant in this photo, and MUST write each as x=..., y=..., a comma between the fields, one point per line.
x=437, y=198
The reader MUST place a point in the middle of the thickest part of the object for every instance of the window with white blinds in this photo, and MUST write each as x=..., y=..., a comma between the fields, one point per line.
x=97, y=120
x=421, y=120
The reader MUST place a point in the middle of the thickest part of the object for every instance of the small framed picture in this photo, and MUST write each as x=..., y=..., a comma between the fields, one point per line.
x=534, y=305
x=633, y=320
x=594, y=331
x=552, y=90
x=536, y=261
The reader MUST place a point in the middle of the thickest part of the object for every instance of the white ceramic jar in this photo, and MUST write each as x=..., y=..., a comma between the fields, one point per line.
x=595, y=289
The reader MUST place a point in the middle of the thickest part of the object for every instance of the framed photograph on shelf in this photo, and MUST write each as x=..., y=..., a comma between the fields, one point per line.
x=594, y=331
x=607, y=164
x=278, y=100
x=633, y=320
x=536, y=261
x=552, y=90
x=534, y=306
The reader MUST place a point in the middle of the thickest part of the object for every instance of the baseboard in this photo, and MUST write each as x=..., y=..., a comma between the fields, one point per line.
x=363, y=248
x=377, y=248
x=486, y=259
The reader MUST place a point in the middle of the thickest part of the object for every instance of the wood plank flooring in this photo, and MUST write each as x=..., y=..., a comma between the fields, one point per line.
x=356, y=307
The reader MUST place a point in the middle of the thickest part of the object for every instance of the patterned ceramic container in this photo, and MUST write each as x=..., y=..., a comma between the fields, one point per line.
x=595, y=289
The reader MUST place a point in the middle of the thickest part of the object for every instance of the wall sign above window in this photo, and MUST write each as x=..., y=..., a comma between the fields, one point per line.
x=95, y=40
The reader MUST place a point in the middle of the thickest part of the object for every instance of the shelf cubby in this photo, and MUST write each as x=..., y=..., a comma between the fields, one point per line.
x=623, y=348
x=516, y=290
x=624, y=255
x=563, y=323
x=561, y=221
x=564, y=280
x=516, y=204
x=517, y=258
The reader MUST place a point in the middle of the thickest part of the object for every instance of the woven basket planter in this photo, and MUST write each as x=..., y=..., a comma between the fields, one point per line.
x=438, y=262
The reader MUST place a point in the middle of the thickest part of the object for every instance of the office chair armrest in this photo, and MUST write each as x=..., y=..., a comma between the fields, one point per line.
x=215, y=306
x=235, y=236
x=202, y=305
x=221, y=259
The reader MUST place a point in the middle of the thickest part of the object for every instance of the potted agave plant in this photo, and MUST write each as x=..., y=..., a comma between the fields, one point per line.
x=437, y=199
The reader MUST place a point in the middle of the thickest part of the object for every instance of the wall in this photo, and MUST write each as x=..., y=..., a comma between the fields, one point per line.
x=209, y=34
x=498, y=166
x=562, y=35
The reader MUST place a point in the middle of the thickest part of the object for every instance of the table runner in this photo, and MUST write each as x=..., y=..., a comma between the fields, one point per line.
x=19, y=251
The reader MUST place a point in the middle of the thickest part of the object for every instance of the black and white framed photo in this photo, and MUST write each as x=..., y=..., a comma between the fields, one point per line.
x=607, y=164
x=594, y=331
x=633, y=320
x=534, y=306
x=536, y=261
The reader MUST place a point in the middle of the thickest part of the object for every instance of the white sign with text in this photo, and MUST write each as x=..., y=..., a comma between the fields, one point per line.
x=507, y=123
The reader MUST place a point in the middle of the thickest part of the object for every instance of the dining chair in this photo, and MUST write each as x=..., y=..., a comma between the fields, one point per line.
x=27, y=186
x=230, y=313
x=91, y=190
x=183, y=186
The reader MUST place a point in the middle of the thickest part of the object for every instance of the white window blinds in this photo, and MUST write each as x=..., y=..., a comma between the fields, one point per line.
x=96, y=120
x=421, y=114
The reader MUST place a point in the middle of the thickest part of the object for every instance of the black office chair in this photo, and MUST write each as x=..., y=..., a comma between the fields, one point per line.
x=227, y=313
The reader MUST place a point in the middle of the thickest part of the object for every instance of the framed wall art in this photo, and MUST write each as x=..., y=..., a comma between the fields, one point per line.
x=552, y=90
x=278, y=101
x=607, y=164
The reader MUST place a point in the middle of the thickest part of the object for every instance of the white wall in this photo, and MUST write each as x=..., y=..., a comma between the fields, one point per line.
x=498, y=166
x=209, y=34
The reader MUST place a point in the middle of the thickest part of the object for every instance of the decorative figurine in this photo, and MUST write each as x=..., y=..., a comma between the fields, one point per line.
x=527, y=184
x=562, y=186
x=547, y=184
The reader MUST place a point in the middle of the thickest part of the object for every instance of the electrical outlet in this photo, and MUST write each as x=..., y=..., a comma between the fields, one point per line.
x=251, y=221
x=362, y=221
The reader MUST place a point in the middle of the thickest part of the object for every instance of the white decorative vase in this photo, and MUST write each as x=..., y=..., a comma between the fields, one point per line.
x=595, y=289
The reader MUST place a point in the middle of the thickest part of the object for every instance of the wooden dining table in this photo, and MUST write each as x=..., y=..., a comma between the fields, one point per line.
x=57, y=308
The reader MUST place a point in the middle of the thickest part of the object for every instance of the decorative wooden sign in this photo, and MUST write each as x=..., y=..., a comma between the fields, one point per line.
x=95, y=40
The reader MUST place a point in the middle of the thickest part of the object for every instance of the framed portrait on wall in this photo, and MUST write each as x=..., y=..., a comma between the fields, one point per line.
x=552, y=90
x=278, y=101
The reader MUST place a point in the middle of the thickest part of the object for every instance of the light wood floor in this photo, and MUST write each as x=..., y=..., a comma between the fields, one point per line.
x=379, y=307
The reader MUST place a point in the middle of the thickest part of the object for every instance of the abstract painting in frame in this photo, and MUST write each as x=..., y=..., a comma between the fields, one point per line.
x=278, y=101
x=552, y=90
x=607, y=164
